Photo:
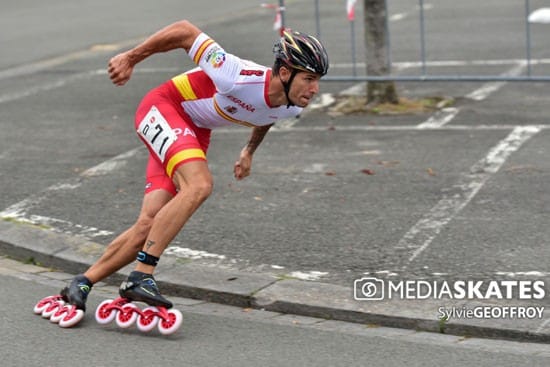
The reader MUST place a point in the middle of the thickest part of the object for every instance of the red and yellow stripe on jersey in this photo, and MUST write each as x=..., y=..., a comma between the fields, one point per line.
x=201, y=49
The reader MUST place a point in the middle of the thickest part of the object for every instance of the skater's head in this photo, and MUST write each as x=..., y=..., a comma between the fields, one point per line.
x=300, y=61
x=301, y=52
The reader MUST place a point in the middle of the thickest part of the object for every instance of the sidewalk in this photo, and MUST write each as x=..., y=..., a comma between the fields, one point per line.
x=265, y=291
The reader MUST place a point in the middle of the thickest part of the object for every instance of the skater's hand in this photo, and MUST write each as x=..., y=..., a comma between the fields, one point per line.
x=120, y=68
x=243, y=165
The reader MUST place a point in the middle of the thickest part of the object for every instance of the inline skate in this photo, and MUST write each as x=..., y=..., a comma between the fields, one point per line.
x=140, y=287
x=67, y=308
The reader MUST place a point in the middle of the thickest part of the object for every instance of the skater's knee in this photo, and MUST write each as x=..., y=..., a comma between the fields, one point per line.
x=195, y=181
x=198, y=190
x=202, y=188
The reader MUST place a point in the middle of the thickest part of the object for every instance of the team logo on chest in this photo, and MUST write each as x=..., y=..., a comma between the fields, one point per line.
x=231, y=109
x=241, y=104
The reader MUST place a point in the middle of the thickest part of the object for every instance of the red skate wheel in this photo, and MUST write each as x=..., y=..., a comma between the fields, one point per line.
x=127, y=315
x=72, y=317
x=104, y=313
x=148, y=319
x=172, y=323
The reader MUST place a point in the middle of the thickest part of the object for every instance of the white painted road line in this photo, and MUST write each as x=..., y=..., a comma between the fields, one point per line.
x=35, y=67
x=22, y=211
x=324, y=100
x=400, y=16
x=8, y=97
x=489, y=88
x=421, y=235
x=111, y=165
x=397, y=17
x=366, y=128
x=446, y=115
x=440, y=118
x=402, y=65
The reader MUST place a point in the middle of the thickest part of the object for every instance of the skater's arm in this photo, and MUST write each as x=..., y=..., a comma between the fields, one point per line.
x=177, y=35
x=243, y=165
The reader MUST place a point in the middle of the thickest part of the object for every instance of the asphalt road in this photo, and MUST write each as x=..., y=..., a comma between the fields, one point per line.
x=217, y=335
x=460, y=194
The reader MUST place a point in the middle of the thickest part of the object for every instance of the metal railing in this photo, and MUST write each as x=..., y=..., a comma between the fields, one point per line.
x=522, y=73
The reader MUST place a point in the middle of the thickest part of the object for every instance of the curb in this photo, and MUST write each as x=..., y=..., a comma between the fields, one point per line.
x=72, y=254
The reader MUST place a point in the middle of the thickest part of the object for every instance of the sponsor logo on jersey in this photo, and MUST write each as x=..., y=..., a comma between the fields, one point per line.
x=216, y=57
x=252, y=72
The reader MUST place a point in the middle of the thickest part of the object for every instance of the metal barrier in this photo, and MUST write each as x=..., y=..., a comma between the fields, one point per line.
x=522, y=73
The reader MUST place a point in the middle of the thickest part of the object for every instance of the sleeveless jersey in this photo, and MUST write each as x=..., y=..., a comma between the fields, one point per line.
x=226, y=90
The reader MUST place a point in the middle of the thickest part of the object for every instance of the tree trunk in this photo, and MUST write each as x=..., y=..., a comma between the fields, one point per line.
x=377, y=61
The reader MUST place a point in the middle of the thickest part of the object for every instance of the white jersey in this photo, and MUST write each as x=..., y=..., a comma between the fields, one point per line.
x=226, y=90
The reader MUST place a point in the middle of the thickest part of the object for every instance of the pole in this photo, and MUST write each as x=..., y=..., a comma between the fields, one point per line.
x=528, y=36
x=317, y=19
x=388, y=41
x=282, y=12
x=353, y=60
x=422, y=40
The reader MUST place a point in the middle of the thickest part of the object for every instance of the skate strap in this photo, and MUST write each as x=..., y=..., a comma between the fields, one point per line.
x=147, y=259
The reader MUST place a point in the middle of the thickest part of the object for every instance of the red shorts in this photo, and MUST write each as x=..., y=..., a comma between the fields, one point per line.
x=170, y=136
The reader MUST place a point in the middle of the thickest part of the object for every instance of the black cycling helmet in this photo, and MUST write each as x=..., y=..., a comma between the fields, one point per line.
x=301, y=51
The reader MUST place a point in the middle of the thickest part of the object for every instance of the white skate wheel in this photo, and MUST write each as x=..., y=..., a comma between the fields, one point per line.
x=148, y=319
x=59, y=314
x=41, y=306
x=51, y=309
x=127, y=316
x=104, y=315
x=45, y=303
x=170, y=326
x=72, y=317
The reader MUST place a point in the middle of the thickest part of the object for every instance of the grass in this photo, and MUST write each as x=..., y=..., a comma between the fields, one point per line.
x=443, y=324
x=26, y=222
x=358, y=105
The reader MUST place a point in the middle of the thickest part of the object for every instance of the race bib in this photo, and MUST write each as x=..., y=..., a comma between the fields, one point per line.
x=156, y=132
